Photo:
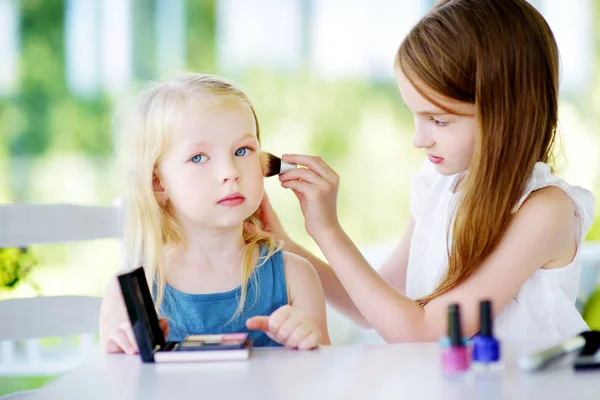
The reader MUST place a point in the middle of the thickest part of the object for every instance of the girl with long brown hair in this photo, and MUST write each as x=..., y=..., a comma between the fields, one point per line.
x=489, y=219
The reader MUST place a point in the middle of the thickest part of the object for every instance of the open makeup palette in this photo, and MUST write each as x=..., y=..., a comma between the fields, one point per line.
x=150, y=339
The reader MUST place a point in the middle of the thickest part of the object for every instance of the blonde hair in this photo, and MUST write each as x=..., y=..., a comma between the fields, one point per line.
x=148, y=225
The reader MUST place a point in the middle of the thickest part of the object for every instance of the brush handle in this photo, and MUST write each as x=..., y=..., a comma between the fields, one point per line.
x=286, y=167
x=543, y=359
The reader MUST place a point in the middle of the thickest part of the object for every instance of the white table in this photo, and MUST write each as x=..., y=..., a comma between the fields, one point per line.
x=410, y=371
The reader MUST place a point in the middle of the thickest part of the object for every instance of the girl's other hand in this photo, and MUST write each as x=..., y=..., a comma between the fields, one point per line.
x=122, y=339
x=289, y=327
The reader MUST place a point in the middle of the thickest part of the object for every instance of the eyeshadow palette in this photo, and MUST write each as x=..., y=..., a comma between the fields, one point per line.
x=150, y=339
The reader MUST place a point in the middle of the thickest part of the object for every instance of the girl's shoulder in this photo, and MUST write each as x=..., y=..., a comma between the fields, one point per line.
x=300, y=275
x=295, y=266
x=547, y=188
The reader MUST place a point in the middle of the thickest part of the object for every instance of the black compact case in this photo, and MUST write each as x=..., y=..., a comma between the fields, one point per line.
x=589, y=357
x=150, y=338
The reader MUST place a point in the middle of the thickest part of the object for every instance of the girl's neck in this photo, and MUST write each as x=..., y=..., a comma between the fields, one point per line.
x=212, y=249
x=458, y=182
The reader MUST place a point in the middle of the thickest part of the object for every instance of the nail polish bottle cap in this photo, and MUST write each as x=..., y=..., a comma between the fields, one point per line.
x=454, y=329
x=485, y=318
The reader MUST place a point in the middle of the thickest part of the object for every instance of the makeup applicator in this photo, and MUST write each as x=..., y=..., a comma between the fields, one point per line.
x=272, y=165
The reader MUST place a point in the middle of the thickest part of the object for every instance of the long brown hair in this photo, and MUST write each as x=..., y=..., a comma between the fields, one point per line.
x=501, y=56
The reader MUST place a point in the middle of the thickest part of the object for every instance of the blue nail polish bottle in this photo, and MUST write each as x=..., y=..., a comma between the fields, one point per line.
x=486, y=348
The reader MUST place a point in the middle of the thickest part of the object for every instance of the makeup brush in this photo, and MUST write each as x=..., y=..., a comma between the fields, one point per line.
x=272, y=165
x=545, y=358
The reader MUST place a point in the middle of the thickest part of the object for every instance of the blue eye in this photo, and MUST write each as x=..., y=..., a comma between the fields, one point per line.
x=241, y=152
x=198, y=158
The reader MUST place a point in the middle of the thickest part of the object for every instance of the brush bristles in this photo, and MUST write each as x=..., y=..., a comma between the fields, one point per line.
x=270, y=164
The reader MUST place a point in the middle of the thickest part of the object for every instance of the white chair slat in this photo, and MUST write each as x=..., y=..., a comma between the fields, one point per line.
x=40, y=317
x=27, y=224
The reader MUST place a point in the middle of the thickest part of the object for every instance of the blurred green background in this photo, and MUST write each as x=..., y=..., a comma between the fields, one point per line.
x=320, y=75
x=57, y=123
x=57, y=107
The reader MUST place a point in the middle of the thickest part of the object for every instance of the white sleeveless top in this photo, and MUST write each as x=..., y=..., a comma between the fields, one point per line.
x=545, y=304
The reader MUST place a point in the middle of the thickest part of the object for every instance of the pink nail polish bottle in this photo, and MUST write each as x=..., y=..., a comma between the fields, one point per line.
x=455, y=358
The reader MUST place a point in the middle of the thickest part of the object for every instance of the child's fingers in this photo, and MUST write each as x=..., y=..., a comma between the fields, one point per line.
x=164, y=326
x=112, y=347
x=289, y=327
x=270, y=221
x=315, y=163
x=301, y=332
x=265, y=205
x=297, y=193
x=279, y=317
x=312, y=341
x=260, y=323
x=303, y=174
x=119, y=337
x=126, y=328
x=300, y=188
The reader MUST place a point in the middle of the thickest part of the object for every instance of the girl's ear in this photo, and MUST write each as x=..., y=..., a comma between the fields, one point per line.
x=159, y=191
